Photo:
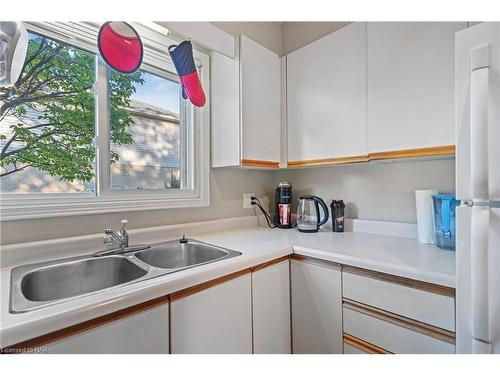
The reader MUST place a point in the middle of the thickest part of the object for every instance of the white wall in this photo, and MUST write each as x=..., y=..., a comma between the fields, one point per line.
x=266, y=33
x=226, y=200
x=374, y=191
x=281, y=37
x=296, y=35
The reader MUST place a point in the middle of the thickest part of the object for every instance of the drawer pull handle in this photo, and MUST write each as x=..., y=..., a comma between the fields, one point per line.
x=363, y=345
x=414, y=325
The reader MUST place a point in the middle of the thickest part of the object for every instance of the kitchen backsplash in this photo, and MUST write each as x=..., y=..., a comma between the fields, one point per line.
x=374, y=191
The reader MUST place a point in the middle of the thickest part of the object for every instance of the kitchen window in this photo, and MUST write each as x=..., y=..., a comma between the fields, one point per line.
x=47, y=121
x=147, y=151
x=78, y=137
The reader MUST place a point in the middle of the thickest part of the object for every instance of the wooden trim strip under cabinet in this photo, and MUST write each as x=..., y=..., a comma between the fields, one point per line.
x=414, y=325
x=85, y=326
x=416, y=284
x=412, y=153
x=270, y=263
x=372, y=156
x=206, y=285
x=327, y=162
x=319, y=262
x=260, y=163
x=363, y=345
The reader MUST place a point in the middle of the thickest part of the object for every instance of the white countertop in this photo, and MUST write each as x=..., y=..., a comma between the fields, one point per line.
x=395, y=255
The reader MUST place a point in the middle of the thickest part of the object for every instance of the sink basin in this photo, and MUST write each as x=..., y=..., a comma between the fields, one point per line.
x=40, y=285
x=78, y=277
x=178, y=255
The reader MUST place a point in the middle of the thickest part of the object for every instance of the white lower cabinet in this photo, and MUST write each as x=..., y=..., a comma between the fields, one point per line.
x=316, y=308
x=145, y=332
x=214, y=320
x=271, y=309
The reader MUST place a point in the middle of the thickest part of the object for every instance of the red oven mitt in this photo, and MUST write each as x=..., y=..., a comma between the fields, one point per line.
x=182, y=57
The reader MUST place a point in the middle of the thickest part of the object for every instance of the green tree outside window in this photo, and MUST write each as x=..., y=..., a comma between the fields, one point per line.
x=56, y=83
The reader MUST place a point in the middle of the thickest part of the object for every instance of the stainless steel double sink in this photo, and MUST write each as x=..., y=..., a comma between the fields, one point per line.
x=39, y=285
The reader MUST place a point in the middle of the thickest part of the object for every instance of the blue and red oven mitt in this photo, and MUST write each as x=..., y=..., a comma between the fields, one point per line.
x=182, y=57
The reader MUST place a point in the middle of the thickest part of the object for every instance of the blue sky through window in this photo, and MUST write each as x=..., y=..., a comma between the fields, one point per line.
x=159, y=92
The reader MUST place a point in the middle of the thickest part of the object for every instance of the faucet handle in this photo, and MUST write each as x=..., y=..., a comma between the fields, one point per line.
x=124, y=222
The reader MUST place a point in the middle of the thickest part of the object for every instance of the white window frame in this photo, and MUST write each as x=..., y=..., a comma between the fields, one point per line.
x=105, y=200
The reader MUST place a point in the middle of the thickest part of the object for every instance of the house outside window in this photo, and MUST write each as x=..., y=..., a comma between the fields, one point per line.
x=78, y=137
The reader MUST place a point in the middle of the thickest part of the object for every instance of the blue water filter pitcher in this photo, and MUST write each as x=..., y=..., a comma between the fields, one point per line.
x=444, y=220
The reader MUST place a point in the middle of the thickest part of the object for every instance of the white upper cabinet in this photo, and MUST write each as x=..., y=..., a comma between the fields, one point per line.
x=225, y=110
x=326, y=97
x=246, y=107
x=260, y=73
x=411, y=84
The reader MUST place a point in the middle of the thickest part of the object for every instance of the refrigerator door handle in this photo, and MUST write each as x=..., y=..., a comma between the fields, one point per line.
x=480, y=274
x=479, y=95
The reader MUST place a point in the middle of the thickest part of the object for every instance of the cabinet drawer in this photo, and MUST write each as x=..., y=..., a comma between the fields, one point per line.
x=395, y=335
x=436, y=308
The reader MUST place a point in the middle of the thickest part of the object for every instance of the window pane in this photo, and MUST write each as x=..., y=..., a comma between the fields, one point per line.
x=146, y=132
x=47, y=122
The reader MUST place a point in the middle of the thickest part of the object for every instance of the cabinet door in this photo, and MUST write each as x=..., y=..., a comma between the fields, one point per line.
x=271, y=309
x=215, y=320
x=326, y=96
x=142, y=333
x=316, y=308
x=411, y=84
x=260, y=76
x=225, y=110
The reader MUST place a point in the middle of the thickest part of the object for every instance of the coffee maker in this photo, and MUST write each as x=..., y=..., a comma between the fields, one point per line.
x=283, y=206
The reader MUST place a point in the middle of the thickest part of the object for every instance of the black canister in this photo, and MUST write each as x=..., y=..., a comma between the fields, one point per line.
x=338, y=209
x=283, y=206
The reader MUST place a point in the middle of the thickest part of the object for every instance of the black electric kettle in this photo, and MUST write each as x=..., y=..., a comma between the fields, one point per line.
x=308, y=216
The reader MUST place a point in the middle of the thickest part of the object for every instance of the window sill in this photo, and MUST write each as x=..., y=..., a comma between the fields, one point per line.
x=46, y=207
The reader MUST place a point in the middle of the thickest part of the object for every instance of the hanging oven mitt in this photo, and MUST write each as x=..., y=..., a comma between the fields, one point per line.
x=182, y=56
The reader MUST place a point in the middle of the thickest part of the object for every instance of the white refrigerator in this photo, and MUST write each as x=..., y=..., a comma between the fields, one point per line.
x=477, y=88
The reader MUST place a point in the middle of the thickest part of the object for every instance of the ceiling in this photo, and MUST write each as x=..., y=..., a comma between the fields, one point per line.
x=281, y=37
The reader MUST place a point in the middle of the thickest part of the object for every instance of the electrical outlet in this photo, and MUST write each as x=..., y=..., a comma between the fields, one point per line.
x=247, y=200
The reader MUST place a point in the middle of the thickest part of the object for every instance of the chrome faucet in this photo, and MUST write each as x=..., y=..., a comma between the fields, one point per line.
x=120, y=238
